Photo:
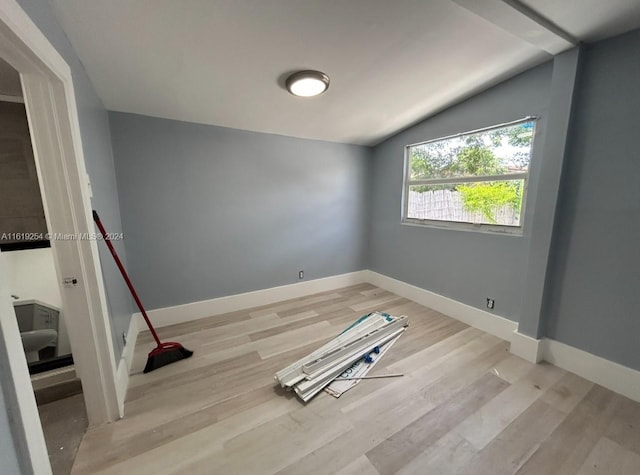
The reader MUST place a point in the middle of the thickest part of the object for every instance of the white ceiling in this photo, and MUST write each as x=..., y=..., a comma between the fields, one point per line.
x=590, y=20
x=391, y=63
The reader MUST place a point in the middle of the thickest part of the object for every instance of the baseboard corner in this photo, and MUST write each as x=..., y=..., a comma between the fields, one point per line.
x=526, y=347
x=475, y=317
x=163, y=317
x=609, y=374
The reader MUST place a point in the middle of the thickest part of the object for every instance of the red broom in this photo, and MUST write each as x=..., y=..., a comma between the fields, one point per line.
x=164, y=353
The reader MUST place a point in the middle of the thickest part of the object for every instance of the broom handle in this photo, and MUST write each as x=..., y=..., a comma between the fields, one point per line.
x=106, y=239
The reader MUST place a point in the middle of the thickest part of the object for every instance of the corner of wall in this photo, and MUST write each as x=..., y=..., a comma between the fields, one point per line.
x=125, y=363
x=526, y=347
x=488, y=322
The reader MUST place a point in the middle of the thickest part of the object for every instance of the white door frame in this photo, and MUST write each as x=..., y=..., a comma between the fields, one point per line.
x=53, y=121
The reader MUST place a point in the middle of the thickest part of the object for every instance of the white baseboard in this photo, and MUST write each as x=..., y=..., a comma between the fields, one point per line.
x=163, y=317
x=526, y=347
x=616, y=377
x=613, y=376
x=488, y=322
x=124, y=365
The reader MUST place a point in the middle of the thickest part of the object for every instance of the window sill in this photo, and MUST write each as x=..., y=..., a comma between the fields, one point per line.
x=467, y=227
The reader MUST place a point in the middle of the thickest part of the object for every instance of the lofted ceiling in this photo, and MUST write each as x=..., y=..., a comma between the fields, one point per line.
x=391, y=63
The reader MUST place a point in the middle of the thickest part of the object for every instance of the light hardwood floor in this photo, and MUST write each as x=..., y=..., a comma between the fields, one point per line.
x=464, y=406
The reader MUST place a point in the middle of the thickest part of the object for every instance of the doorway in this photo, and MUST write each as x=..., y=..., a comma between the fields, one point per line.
x=49, y=100
x=25, y=237
x=25, y=241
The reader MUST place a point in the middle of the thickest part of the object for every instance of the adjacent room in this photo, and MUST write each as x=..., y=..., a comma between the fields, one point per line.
x=319, y=236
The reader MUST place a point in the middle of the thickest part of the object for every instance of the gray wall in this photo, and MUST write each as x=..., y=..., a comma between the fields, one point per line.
x=96, y=142
x=465, y=266
x=593, y=291
x=211, y=211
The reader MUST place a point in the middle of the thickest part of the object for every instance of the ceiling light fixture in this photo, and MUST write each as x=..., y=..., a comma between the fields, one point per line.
x=307, y=83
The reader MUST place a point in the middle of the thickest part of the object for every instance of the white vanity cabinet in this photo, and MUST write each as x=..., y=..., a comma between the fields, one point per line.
x=36, y=315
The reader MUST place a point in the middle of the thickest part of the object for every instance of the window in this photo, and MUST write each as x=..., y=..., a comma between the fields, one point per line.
x=477, y=179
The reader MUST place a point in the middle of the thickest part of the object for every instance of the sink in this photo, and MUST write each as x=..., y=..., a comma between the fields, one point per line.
x=34, y=341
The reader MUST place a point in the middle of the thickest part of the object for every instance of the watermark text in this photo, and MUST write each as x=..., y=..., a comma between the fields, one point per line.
x=60, y=236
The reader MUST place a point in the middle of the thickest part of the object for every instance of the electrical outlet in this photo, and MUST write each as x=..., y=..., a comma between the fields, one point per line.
x=490, y=303
x=301, y=274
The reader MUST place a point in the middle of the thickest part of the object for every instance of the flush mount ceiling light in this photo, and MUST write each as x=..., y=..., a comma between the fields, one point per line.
x=307, y=83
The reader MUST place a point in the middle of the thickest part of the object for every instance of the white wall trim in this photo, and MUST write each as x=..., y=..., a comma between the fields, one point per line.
x=616, y=377
x=126, y=360
x=613, y=376
x=163, y=317
x=526, y=347
x=53, y=121
x=488, y=322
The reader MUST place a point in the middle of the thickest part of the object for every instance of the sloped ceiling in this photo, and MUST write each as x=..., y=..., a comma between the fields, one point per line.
x=391, y=63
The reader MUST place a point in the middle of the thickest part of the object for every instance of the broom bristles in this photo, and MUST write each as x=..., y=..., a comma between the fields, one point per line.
x=166, y=353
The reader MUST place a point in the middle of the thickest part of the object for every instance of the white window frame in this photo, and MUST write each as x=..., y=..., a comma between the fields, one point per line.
x=477, y=227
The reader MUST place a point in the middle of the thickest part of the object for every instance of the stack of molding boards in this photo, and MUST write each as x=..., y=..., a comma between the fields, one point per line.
x=309, y=375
